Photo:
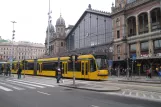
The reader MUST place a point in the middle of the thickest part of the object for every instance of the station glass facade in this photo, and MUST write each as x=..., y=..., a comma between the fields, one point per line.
x=91, y=30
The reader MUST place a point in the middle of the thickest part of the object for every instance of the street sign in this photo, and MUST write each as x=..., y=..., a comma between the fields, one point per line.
x=110, y=63
x=133, y=56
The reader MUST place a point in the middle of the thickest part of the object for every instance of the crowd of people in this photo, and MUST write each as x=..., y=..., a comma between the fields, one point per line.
x=6, y=71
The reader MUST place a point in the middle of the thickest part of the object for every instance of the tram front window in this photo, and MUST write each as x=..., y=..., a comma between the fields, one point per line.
x=101, y=63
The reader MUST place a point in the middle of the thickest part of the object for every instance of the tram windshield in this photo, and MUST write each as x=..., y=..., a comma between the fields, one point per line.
x=101, y=61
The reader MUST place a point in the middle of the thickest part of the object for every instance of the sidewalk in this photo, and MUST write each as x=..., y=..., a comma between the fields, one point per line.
x=98, y=88
x=138, y=79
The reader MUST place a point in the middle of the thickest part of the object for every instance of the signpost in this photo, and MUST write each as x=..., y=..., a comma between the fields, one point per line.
x=133, y=60
x=73, y=57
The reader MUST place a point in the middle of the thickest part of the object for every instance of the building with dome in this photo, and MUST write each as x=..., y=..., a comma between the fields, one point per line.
x=57, y=35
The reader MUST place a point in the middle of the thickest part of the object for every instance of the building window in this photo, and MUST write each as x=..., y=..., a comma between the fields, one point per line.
x=157, y=44
x=117, y=22
x=133, y=47
x=118, y=34
x=118, y=49
x=61, y=29
x=58, y=29
x=61, y=43
x=144, y=46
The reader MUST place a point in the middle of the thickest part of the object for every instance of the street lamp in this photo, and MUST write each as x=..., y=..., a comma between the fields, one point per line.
x=48, y=35
x=13, y=37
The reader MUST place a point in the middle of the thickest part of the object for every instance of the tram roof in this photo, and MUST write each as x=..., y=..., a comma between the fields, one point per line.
x=85, y=56
x=3, y=62
x=54, y=59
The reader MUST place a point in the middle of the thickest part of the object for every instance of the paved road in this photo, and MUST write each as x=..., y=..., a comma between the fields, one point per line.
x=44, y=92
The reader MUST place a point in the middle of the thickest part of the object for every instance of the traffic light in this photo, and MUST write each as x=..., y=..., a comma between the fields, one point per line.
x=71, y=59
x=76, y=57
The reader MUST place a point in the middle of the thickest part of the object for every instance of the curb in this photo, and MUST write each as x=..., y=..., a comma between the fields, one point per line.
x=139, y=82
x=90, y=89
x=137, y=98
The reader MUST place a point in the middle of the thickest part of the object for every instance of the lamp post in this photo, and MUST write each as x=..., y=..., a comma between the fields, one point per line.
x=13, y=37
x=25, y=62
x=48, y=35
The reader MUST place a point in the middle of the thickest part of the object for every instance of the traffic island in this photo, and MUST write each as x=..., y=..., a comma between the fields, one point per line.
x=91, y=87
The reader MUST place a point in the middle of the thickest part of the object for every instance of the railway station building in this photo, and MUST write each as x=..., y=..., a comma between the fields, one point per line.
x=92, y=34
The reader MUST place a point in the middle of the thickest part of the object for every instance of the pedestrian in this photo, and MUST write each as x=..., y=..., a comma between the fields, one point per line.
x=58, y=74
x=150, y=72
x=7, y=70
x=19, y=72
x=2, y=69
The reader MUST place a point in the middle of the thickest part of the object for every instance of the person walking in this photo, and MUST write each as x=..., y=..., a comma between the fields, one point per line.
x=58, y=74
x=19, y=72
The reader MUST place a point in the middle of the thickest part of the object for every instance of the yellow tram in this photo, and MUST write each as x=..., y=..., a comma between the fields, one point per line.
x=86, y=67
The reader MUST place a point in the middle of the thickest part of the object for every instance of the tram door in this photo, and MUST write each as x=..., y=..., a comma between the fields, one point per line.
x=84, y=69
x=64, y=66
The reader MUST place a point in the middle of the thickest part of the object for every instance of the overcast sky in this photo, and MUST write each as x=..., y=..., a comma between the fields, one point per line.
x=31, y=16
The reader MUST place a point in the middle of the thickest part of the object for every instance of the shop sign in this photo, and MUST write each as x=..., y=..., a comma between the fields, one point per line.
x=144, y=55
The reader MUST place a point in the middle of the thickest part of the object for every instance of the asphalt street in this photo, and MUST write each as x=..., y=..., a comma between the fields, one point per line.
x=62, y=97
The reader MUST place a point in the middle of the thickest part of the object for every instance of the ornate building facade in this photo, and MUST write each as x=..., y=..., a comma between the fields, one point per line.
x=21, y=50
x=137, y=34
x=57, y=35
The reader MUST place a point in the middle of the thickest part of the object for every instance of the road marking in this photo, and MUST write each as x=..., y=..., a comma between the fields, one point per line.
x=123, y=93
x=21, y=85
x=152, y=96
x=160, y=97
x=37, y=83
x=27, y=84
x=43, y=93
x=8, y=85
x=144, y=95
x=137, y=94
x=94, y=106
x=5, y=89
x=130, y=93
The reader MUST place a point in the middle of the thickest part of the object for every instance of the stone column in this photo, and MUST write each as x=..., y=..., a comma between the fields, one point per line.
x=151, y=48
x=137, y=25
x=149, y=21
x=138, y=50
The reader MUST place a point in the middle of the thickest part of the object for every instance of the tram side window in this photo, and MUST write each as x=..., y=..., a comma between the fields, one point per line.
x=70, y=66
x=78, y=66
x=55, y=65
x=92, y=65
x=48, y=66
x=30, y=66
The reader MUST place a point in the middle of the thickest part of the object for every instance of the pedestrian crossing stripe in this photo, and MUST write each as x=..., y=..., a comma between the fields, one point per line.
x=5, y=89
x=36, y=83
x=27, y=84
x=14, y=87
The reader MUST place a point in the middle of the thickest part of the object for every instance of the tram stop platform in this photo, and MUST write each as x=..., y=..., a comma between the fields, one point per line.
x=91, y=87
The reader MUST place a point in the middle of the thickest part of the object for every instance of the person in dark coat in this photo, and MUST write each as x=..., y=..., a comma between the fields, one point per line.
x=58, y=74
x=19, y=72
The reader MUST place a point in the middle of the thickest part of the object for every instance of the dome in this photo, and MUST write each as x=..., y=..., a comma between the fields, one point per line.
x=60, y=21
